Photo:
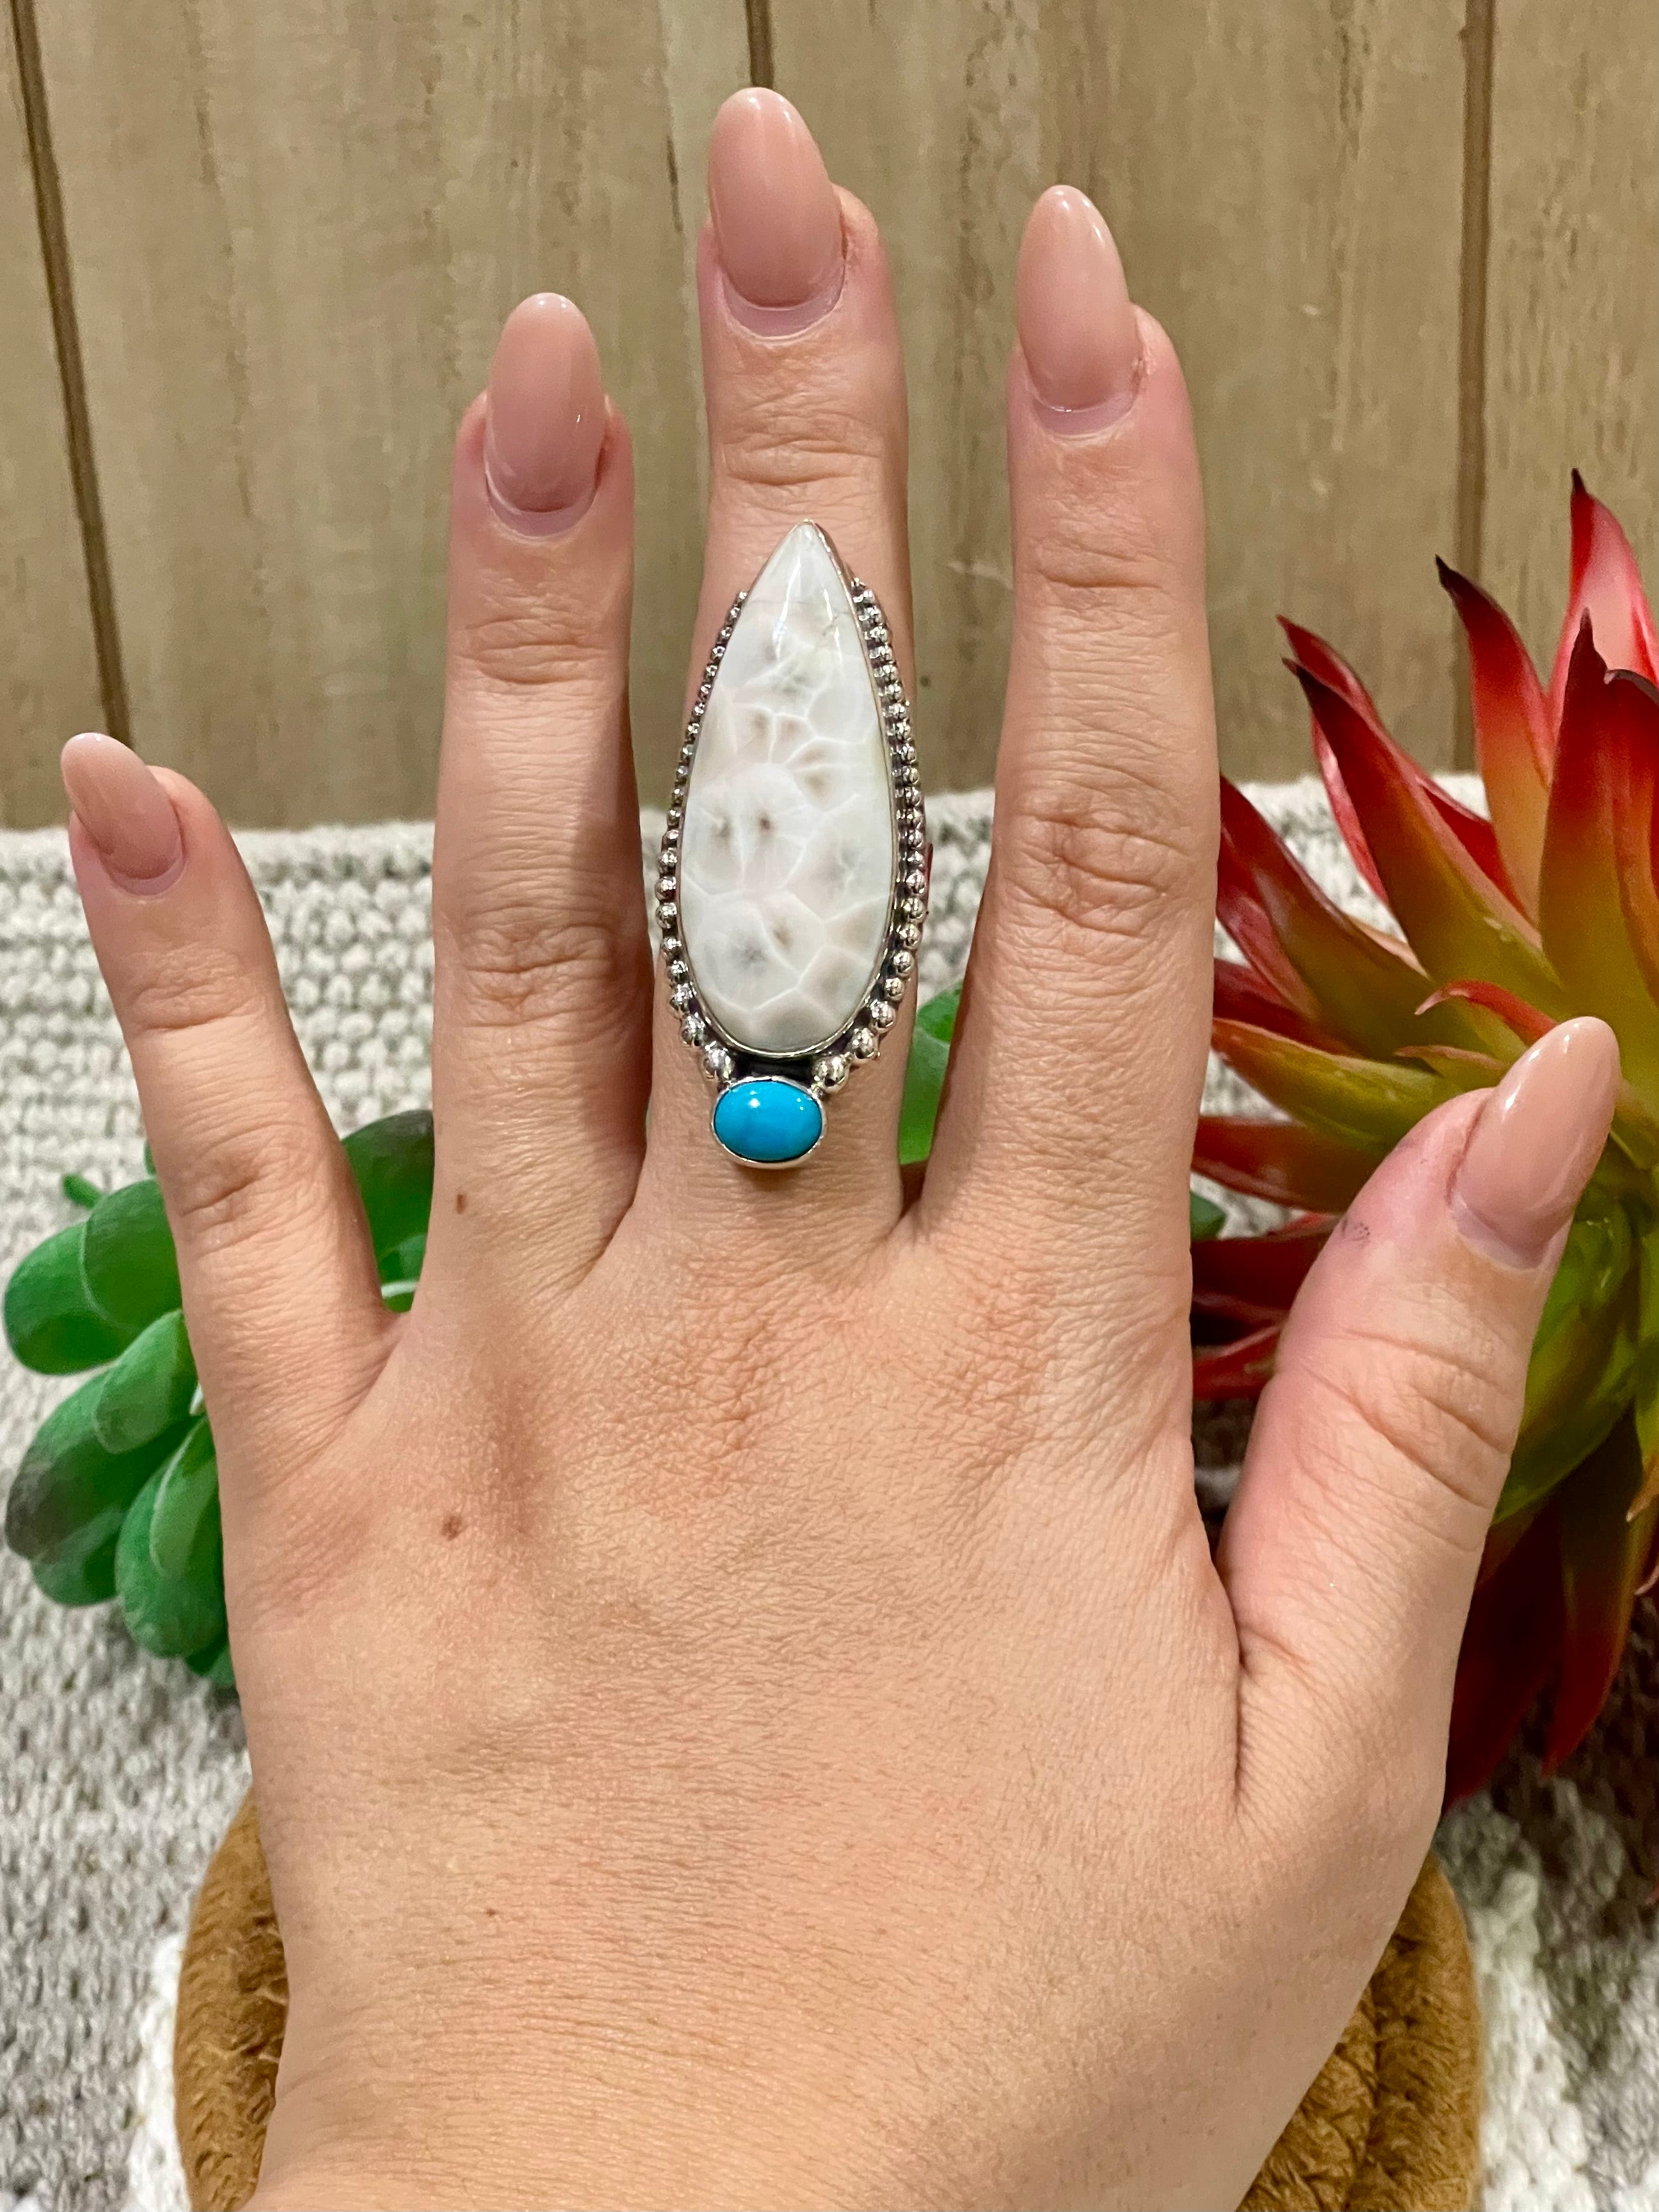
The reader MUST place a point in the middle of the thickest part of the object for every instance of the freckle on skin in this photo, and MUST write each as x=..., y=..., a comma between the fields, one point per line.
x=452, y=1525
x=460, y=1201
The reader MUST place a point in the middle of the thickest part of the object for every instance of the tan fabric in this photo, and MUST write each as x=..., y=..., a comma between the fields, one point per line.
x=1393, y=2121
x=1392, y=2124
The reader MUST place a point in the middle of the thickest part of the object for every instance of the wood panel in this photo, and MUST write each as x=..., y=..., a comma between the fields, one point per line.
x=295, y=232
x=1285, y=183
x=49, y=684
x=1572, y=322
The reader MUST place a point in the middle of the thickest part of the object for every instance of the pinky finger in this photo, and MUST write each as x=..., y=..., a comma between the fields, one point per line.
x=274, y=1256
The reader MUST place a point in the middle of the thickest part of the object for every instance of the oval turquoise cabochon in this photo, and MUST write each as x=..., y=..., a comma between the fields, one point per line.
x=768, y=1120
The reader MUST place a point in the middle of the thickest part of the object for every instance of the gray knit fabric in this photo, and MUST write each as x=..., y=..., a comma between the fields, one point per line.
x=118, y=1773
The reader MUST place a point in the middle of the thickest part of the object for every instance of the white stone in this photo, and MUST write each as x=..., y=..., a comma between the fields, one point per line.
x=787, y=855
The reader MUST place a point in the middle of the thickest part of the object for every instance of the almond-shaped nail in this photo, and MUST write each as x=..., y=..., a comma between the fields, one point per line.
x=1535, y=1142
x=777, y=222
x=1077, y=324
x=544, y=416
x=125, y=812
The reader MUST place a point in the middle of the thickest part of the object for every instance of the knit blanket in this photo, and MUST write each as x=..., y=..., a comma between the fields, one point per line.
x=119, y=1773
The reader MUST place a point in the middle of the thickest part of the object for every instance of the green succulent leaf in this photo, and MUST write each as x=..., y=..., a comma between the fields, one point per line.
x=403, y=1263
x=150, y=1388
x=80, y=1577
x=1205, y=1217
x=131, y=1268
x=1583, y=1357
x=924, y=1075
x=213, y=1664
x=171, y=1615
x=69, y=1486
x=187, y=1492
x=1646, y=1407
x=391, y=1163
x=52, y=1322
x=79, y=1192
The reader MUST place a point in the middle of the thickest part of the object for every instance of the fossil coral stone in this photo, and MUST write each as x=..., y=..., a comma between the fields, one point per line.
x=787, y=857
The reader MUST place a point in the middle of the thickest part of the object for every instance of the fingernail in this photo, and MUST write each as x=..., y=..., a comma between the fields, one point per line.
x=125, y=812
x=543, y=417
x=1535, y=1141
x=1077, y=324
x=777, y=223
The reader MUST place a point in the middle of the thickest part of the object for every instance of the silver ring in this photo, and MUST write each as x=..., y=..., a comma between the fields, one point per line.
x=792, y=881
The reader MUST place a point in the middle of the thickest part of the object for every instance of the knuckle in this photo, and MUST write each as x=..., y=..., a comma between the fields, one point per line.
x=237, y=1183
x=540, y=645
x=1083, y=563
x=771, y=446
x=1102, y=859
x=196, y=986
x=1444, y=1417
x=521, y=966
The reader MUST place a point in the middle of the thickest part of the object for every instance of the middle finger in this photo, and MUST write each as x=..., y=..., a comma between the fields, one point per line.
x=806, y=422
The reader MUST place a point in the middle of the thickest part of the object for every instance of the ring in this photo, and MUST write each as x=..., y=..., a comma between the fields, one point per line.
x=792, y=883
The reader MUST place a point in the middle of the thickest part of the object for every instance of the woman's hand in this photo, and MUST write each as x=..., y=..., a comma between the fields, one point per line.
x=742, y=1708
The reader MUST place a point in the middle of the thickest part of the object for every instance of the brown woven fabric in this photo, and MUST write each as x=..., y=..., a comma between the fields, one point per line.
x=1392, y=2124
x=1393, y=2121
x=228, y=2036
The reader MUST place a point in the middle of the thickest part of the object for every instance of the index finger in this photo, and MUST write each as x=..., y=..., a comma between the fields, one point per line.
x=1075, y=1081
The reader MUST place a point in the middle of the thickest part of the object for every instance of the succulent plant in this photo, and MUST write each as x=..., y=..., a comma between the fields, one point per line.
x=1507, y=926
x=118, y=1495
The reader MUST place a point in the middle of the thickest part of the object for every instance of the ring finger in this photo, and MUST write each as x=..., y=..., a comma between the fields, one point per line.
x=806, y=423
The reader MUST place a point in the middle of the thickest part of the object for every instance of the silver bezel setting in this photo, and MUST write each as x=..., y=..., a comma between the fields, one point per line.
x=824, y=1067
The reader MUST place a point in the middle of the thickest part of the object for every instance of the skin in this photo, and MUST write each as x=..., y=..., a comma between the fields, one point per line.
x=742, y=1708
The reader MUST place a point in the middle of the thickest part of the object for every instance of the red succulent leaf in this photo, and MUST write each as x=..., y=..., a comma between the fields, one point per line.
x=1241, y=996
x=1358, y=1102
x=1342, y=978
x=1242, y=1369
x=1526, y=1022
x=1311, y=651
x=1514, y=735
x=1606, y=586
x=1502, y=1539
x=1282, y=1161
x=1312, y=657
x=1457, y=920
x=1604, y=1556
x=1629, y=735
x=1581, y=899
x=1635, y=1128
x=1511, y=1642
x=1267, y=1270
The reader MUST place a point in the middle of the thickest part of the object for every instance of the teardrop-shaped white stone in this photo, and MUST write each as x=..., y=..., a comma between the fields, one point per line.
x=787, y=849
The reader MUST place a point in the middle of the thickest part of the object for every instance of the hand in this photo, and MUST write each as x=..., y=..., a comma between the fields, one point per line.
x=742, y=1708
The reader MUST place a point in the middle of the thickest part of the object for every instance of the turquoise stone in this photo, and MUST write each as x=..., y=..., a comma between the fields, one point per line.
x=768, y=1120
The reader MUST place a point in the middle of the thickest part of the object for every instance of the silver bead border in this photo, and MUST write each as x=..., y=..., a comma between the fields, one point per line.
x=860, y=1041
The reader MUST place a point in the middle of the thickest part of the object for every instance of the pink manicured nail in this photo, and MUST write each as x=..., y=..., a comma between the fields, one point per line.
x=1077, y=327
x=1537, y=1138
x=777, y=223
x=545, y=415
x=125, y=812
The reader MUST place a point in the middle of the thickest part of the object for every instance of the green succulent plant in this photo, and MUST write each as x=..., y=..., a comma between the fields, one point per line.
x=118, y=1495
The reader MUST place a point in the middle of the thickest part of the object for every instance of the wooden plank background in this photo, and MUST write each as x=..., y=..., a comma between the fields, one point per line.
x=255, y=260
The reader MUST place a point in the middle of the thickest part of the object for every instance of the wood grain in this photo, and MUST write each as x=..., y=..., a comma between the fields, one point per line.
x=291, y=235
x=295, y=232
x=1285, y=184
x=49, y=684
x=1573, y=349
